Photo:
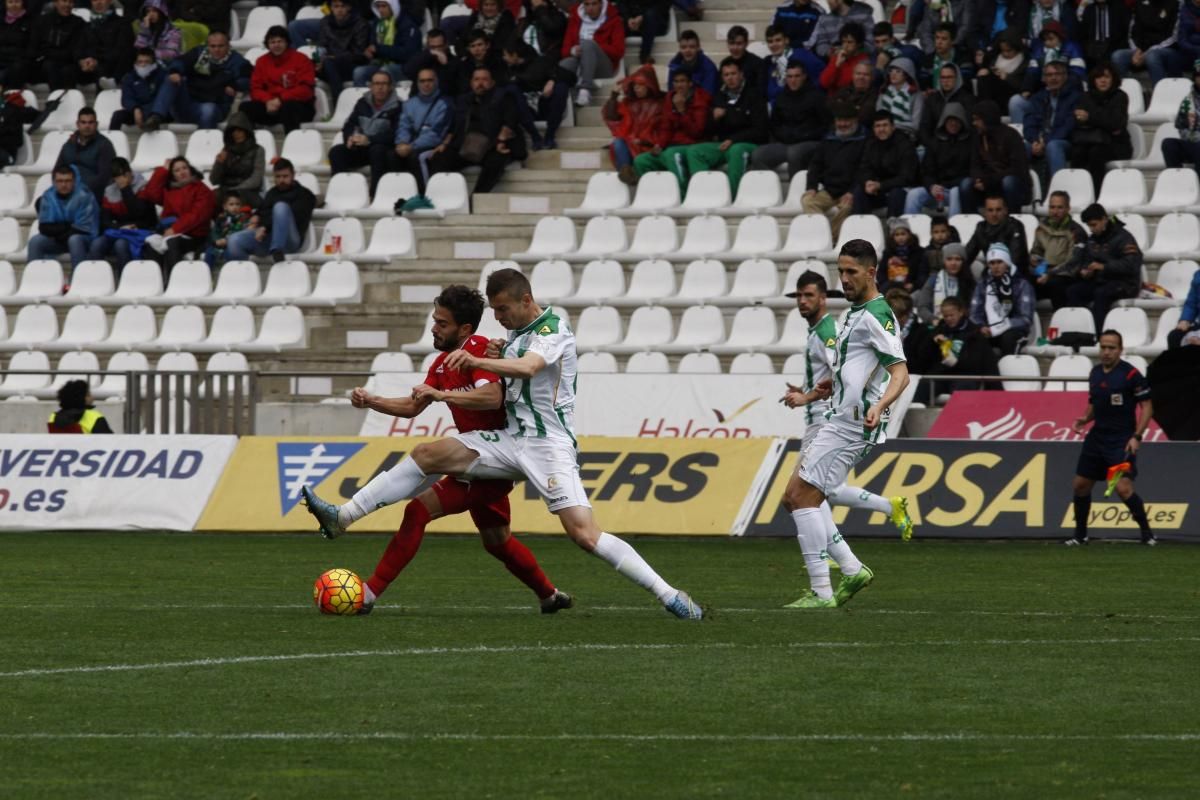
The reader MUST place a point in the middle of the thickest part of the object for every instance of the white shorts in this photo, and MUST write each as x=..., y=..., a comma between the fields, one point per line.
x=826, y=459
x=550, y=466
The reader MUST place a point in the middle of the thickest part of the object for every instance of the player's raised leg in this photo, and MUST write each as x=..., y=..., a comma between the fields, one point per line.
x=895, y=507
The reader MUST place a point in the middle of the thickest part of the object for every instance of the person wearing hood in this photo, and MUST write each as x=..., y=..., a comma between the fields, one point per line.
x=1151, y=36
x=902, y=264
x=282, y=85
x=999, y=163
x=1003, y=304
x=1051, y=46
x=681, y=123
x=1107, y=268
x=959, y=13
x=369, y=132
x=799, y=120
x=999, y=227
x=833, y=170
x=531, y=76
x=485, y=133
x=76, y=413
x=692, y=60
x=1050, y=121
x=632, y=113
x=106, y=48
x=593, y=46
x=424, y=124
x=954, y=279
x=89, y=151
x=902, y=98
x=839, y=72
x=201, y=85
x=1101, y=119
x=342, y=42
x=280, y=221
x=1186, y=148
x=737, y=124
x=392, y=41
x=1000, y=73
x=241, y=163
x=949, y=88
x=68, y=218
x=139, y=88
x=121, y=211
x=888, y=167
x=155, y=31
x=188, y=207
x=946, y=166
x=53, y=45
x=1054, y=244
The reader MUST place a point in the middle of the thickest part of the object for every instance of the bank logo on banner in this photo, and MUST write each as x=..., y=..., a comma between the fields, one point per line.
x=308, y=463
x=1007, y=426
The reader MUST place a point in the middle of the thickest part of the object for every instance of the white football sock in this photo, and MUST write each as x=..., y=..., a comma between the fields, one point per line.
x=368, y=595
x=398, y=483
x=626, y=561
x=854, y=497
x=810, y=532
x=839, y=551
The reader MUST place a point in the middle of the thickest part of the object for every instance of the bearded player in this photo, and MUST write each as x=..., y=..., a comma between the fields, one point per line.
x=475, y=399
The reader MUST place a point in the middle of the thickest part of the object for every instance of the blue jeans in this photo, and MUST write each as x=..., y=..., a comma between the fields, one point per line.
x=362, y=75
x=174, y=102
x=919, y=197
x=1010, y=186
x=304, y=31
x=1057, y=155
x=44, y=247
x=622, y=157
x=1165, y=62
x=1018, y=107
x=282, y=236
x=121, y=254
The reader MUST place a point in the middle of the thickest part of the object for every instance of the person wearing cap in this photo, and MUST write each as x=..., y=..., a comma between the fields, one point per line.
x=1050, y=121
x=1004, y=304
x=1151, y=35
x=1051, y=46
x=1107, y=268
x=889, y=166
x=953, y=280
x=1186, y=149
x=902, y=97
x=833, y=170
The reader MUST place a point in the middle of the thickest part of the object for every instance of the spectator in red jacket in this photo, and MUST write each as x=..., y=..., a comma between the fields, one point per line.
x=632, y=114
x=839, y=73
x=593, y=46
x=187, y=210
x=682, y=123
x=283, y=84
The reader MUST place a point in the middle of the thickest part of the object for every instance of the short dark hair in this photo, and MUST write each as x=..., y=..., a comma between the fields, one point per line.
x=880, y=115
x=996, y=196
x=232, y=193
x=1094, y=212
x=120, y=166
x=435, y=33
x=477, y=35
x=810, y=278
x=86, y=111
x=861, y=251
x=939, y=219
x=948, y=27
x=144, y=51
x=283, y=164
x=1101, y=68
x=899, y=297
x=464, y=304
x=774, y=30
x=1056, y=63
x=482, y=68
x=736, y=32
x=690, y=35
x=63, y=169
x=1112, y=332
x=883, y=29
x=73, y=394
x=728, y=61
x=508, y=281
x=1064, y=195
x=955, y=302
x=277, y=32
x=853, y=29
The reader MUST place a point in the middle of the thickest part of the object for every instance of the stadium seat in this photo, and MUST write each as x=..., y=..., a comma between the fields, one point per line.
x=34, y=327
x=183, y=326
x=15, y=385
x=73, y=366
x=597, y=363
x=605, y=194
x=153, y=148
x=700, y=328
x=13, y=194
x=391, y=238
x=1030, y=222
x=1137, y=145
x=491, y=267
x=648, y=362
x=181, y=362
x=1020, y=366
x=287, y=282
x=1167, y=321
x=70, y=102
x=1174, y=190
x=190, y=282
x=1075, y=182
x=346, y=192
x=755, y=280
x=603, y=237
x=107, y=102
x=392, y=187
x=552, y=280
x=1132, y=87
x=113, y=384
x=753, y=329
x=266, y=140
x=757, y=236
x=707, y=192
x=91, y=282
x=832, y=278
x=1154, y=157
x=599, y=282
x=657, y=193
x=40, y=280
x=759, y=191
x=133, y=327
x=793, y=338
x=1123, y=190
x=652, y=280
x=1137, y=361
x=282, y=328
x=422, y=343
x=1069, y=366
x=83, y=325
x=305, y=149
x=920, y=225
x=1164, y=102
x=1068, y=319
x=965, y=224
x=1177, y=236
x=553, y=237
x=232, y=326
x=47, y=153
x=120, y=143
x=1136, y=225
x=202, y=148
x=703, y=280
x=650, y=328
x=391, y=362
x=237, y=282
x=3, y=324
x=706, y=237
x=791, y=205
x=698, y=364
x=808, y=235
x=258, y=22
x=427, y=361
x=337, y=282
x=654, y=238
x=1133, y=325
x=345, y=106
x=1176, y=277
x=599, y=328
x=448, y=193
x=8, y=280
x=141, y=281
x=751, y=364
x=795, y=366
x=859, y=226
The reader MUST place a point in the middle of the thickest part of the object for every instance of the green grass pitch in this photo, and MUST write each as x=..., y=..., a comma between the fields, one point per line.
x=195, y=666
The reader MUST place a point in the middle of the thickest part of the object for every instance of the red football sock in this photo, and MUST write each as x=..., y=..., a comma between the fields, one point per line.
x=401, y=548
x=521, y=562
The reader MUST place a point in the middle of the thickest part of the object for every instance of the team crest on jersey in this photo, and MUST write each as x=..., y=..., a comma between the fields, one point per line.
x=308, y=463
x=552, y=482
x=545, y=329
x=888, y=326
x=830, y=342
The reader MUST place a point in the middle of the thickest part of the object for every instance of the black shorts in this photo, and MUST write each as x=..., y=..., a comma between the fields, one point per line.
x=1100, y=454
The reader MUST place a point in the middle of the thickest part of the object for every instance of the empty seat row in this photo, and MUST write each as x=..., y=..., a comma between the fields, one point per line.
x=656, y=362
x=76, y=364
x=760, y=191
x=1133, y=324
x=1063, y=366
x=700, y=328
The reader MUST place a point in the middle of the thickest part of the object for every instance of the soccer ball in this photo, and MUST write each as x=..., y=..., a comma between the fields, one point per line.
x=338, y=591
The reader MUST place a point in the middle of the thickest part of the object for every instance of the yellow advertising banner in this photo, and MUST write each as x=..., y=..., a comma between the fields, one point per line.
x=661, y=486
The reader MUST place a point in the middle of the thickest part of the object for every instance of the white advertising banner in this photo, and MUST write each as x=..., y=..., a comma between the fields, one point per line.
x=640, y=406
x=65, y=482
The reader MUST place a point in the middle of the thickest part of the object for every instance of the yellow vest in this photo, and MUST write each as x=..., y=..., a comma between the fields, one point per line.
x=86, y=422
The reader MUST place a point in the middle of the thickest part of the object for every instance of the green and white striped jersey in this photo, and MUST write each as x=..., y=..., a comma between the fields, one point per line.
x=818, y=365
x=868, y=342
x=543, y=406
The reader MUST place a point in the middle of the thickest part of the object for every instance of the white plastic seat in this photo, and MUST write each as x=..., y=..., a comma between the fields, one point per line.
x=133, y=328
x=707, y=191
x=341, y=111
x=965, y=224
x=706, y=237
x=552, y=280
x=232, y=327
x=1137, y=145
x=605, y=193
x=304, y=148
x=153, y=148
x=448, y=193
x=1154, y=155
x=1176, y=277
x=657, y=193
x=1069, y=366
x=793, y=338
x=48, y=150
x=597, y=363
x=70, y=103
x=282, y=328
x=1132, y=323
x=35, y=326
x=1020, y=366
x=40, y=280
x=190, y=281
x=1075, y=182
x=703, y=280
x=342, y=236
x=1164, y=102
x=1123, y=190
x=237, y=282
x=650, y=328
x=288, y=281
x=92, y=281
x=265, y=139
x=648, y=361
x=755, y=279
x=808, y=235
x=553, y=237
x=1068, y=319
x=180, y=361
x=751, y=364
x=603, y=237
x=759, y=190
x=1136, y=361
x=757, y=236
x=141, y=281
x=699, y=364
x=107, y=102
x=798, y=268
x=392, y=186
x=791, y=205
x=654, y=237
x=83, y=326
x=347, y=191
x=920, y=225
x=391, y=238
x=391, y=362
x=700, y=328
x=652, y=280
x=182, y=327
x=599, y=327
x=753, y=328
x=70, y=367
x=113, y=383
x=13, y=194
x=120, y=143
x=795, y=365
x=1177, y=236
x=14, y=385
x=8, y=279
x=337, y=282
x=860, y=226
x=258, y=22
x=227, y=362
x=202, y=148
x=1167, y=321
x=1132, y=87
x=1030, y=223
x=492, y=266
x=600, y=281
x=1137, y=227
x=1174, y=190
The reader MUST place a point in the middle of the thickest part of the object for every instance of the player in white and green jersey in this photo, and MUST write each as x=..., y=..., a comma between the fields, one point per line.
x=819, y=357
x=869, y=374
x=538, y=363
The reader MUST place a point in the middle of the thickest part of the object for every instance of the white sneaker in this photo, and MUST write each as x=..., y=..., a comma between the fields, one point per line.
x=583, y=97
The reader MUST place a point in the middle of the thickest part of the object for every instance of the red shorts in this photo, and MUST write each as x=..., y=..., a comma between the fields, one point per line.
x=487, y=501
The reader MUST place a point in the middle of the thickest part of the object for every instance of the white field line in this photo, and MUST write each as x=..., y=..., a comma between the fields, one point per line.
x=580, y=647
x=785, y=738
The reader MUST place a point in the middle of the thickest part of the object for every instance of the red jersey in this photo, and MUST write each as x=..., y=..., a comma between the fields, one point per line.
x=448, y=380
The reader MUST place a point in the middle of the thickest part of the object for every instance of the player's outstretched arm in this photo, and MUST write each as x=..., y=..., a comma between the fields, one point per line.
x=526, y=366
x=406, y=407
x=481, y=398
x=895, y=387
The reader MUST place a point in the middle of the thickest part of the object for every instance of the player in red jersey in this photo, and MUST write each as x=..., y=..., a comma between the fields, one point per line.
x=475, y=398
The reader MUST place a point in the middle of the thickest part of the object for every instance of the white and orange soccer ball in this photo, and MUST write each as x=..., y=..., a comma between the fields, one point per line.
x=338, y=591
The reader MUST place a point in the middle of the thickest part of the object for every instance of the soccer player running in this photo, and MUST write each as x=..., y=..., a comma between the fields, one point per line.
x=811, y=296
x=869, y=374
x=538, y=363
x=1119, y=402
x=475, y=398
